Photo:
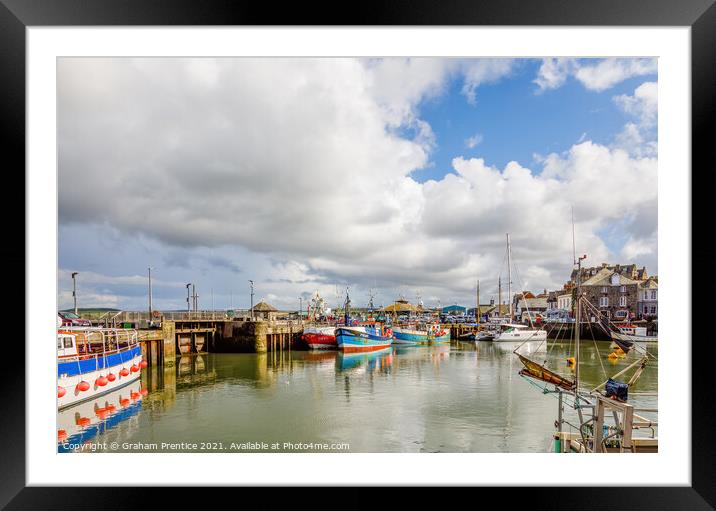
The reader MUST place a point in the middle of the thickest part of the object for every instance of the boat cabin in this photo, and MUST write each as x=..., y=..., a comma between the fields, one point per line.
x=66, y=344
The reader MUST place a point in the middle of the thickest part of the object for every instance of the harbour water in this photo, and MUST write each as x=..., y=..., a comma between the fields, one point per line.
x=463, y=397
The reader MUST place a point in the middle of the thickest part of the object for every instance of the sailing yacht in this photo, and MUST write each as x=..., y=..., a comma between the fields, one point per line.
x=515, y=332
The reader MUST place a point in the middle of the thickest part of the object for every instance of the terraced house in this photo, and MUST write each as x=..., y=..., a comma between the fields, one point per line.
x=614, y=294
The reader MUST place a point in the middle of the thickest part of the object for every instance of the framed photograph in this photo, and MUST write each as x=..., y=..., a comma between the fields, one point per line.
x=444, y=245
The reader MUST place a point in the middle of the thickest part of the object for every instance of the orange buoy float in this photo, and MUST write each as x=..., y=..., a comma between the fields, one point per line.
x=111, y=377
x=571, y=361
x=101, y=381
x=134, y=396
x=83, y=386
x=134, y=368
x=123, y=402
x=143, y=364
x=124, y=372
x=83, y=421
x=102, y=413
x=61, y=391
x=111, y=408
x=144, y=392
x=61, y=435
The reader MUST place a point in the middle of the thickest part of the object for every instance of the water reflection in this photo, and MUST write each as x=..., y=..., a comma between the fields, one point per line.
x=464, y=397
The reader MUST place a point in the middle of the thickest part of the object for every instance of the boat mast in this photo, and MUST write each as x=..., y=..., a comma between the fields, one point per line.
x=477, y=309
x=509, y=276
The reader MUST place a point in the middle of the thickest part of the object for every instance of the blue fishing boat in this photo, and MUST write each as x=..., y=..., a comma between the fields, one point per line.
x=425, y=334
x=371, y=339
x=368, y=338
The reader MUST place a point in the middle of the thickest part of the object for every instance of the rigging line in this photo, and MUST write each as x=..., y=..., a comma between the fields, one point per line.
x=599, y=355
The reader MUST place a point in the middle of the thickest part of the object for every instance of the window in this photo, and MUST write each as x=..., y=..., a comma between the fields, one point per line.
x=652, y=310
x=604, y=301
x=605, y=289
x=653, y=295
x=622, y=301
x=622, y=289
x=68, y=342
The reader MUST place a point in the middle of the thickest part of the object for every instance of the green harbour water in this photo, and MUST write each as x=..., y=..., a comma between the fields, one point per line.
x=463, y=397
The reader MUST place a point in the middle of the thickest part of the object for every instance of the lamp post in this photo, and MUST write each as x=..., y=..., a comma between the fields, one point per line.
x=74, y=290
x=188, y=297
x=150, y=292
x=252, y=299
x=300, y=308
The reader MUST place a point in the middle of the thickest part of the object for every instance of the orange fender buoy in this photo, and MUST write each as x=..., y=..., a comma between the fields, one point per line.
x=124, y=372
x=101, y=381
x=123, y=402
x=83, y=421
x=61, y=435
x=571, y=361
x=134, y=396
x=144, y=392
x=134, y=368
x=111, y=377
x=61, y=391
x=143, y=364
x=83, y=386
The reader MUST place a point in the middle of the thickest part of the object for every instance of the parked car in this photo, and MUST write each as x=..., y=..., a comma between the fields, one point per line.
x=72, y=319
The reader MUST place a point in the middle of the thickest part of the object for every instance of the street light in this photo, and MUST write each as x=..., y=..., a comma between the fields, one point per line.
x=74, y=290
x=149, y=268
x=188, y=298
x=252, y=299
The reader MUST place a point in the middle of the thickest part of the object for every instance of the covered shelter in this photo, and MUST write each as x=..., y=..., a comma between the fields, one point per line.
x=264, y=310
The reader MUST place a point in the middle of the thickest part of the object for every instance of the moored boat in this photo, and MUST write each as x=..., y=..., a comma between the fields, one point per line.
x=424, y=334
x=95, y=361
x=320, y=338
x=519, y=333
x=367, y=339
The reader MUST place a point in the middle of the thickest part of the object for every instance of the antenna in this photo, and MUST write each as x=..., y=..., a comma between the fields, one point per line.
x=574, y=248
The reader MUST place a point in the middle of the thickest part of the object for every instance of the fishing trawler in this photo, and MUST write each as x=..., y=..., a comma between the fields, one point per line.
x=428, y=333
x=95, y=361
x=364, y=338
x=320, y=338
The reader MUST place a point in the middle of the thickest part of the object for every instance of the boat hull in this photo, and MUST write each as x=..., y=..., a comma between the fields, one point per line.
x=351, y=340
x=530, y=335
x=320, y=341
x=71, y=373
x=407, y=336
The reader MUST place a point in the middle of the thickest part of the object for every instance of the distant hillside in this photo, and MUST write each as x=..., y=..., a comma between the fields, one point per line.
x=81, y=311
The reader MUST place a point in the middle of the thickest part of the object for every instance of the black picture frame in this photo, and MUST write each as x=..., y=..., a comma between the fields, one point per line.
x=16, y=15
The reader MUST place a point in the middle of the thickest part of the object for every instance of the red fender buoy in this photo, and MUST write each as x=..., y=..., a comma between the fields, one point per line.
x=61, y=391
x=123, y=402
x=111, y=408
x=144, y=392
x=83, y=386
x=124, y=372
x=134, y=396
x=111, y=377
x=61, y=435
x=101, y=381
x=143, y=364
x=83, y=421
x=134, y=368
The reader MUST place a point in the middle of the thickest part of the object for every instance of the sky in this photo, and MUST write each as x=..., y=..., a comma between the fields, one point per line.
x=391, y=177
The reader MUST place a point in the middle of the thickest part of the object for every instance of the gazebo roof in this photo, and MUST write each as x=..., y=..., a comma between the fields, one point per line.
x=264, y=307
